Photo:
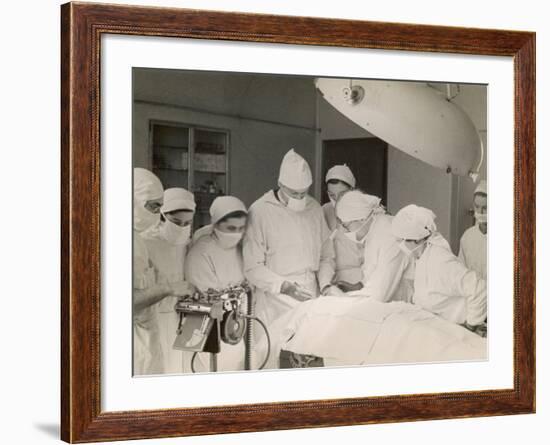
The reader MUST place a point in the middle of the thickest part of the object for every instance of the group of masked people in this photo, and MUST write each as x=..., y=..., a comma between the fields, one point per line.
x=290, y=249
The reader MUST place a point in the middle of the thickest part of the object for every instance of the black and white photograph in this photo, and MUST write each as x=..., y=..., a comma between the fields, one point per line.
x=284, y=221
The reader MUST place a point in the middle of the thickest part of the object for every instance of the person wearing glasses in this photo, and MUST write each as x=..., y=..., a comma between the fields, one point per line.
x=442, y=284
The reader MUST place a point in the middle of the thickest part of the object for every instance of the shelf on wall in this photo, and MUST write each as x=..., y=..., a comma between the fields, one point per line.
x=171, y=168
x=194, y=158
x=171, y=147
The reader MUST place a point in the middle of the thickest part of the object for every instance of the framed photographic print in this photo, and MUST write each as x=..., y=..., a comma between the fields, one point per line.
x=274, y=222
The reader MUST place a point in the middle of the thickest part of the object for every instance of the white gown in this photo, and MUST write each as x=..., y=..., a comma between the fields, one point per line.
x=284, y=245
x=348, y=255
x=168, y=260
x=444, y=286
x=148, y=357
x=473, y=250
x=386, y=271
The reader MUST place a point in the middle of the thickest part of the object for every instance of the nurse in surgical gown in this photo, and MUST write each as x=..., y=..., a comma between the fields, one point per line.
x=473, y=244
x=215, y=262
x=166, y=243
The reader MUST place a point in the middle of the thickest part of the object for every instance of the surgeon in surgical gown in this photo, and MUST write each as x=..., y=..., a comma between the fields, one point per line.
x=348, y=254
x=442, y=284
x=167, y=246
x=215, y=261
x=288, y=256
x=365, y=223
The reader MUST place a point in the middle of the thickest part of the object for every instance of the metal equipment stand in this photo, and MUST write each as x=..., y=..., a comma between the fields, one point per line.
x=248, y=334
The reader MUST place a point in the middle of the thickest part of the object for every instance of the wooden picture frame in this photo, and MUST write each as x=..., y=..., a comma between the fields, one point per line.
x=82, y=26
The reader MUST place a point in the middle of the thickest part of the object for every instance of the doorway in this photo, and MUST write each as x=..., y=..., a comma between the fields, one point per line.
x=368, y=160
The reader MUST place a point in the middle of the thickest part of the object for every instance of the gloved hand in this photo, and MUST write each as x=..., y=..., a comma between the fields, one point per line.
x=295, y=291
x=181, y=289
x=480, y=329
x=332, y=290
x=349, y=287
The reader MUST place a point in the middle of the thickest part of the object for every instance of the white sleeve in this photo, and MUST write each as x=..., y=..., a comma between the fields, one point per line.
x=468, y=284
x=476, y=302
x=461, y=254
x=254, y=257
x=387, y=276
x=327, y=264
x=199, y=270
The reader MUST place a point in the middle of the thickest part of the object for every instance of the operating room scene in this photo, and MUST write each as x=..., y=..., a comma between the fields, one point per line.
x=287, y=222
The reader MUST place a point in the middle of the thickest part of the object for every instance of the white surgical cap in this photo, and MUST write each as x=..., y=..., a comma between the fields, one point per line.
x=355, y=205
x=413, y=223
x=341, y=173
x=178, y=198
x=224, y=205
x=295, y=172
x=146, y=186
x=481, y=187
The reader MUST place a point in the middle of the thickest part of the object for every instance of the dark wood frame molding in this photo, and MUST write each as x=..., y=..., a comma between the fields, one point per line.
x=82, y=25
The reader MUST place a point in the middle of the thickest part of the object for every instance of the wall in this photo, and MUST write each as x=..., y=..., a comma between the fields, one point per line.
x=411, y=181
x=231, y=99
x=473, y=100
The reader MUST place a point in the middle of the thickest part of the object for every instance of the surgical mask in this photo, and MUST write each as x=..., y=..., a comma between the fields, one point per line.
x=405, y=249
x=352, y=236
x=480, y=217
x=294, y=204
x=143, y=218
x=174, y=234
x=228, y=239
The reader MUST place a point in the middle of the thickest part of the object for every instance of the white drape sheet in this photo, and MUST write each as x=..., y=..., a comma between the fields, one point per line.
x=355, y=330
